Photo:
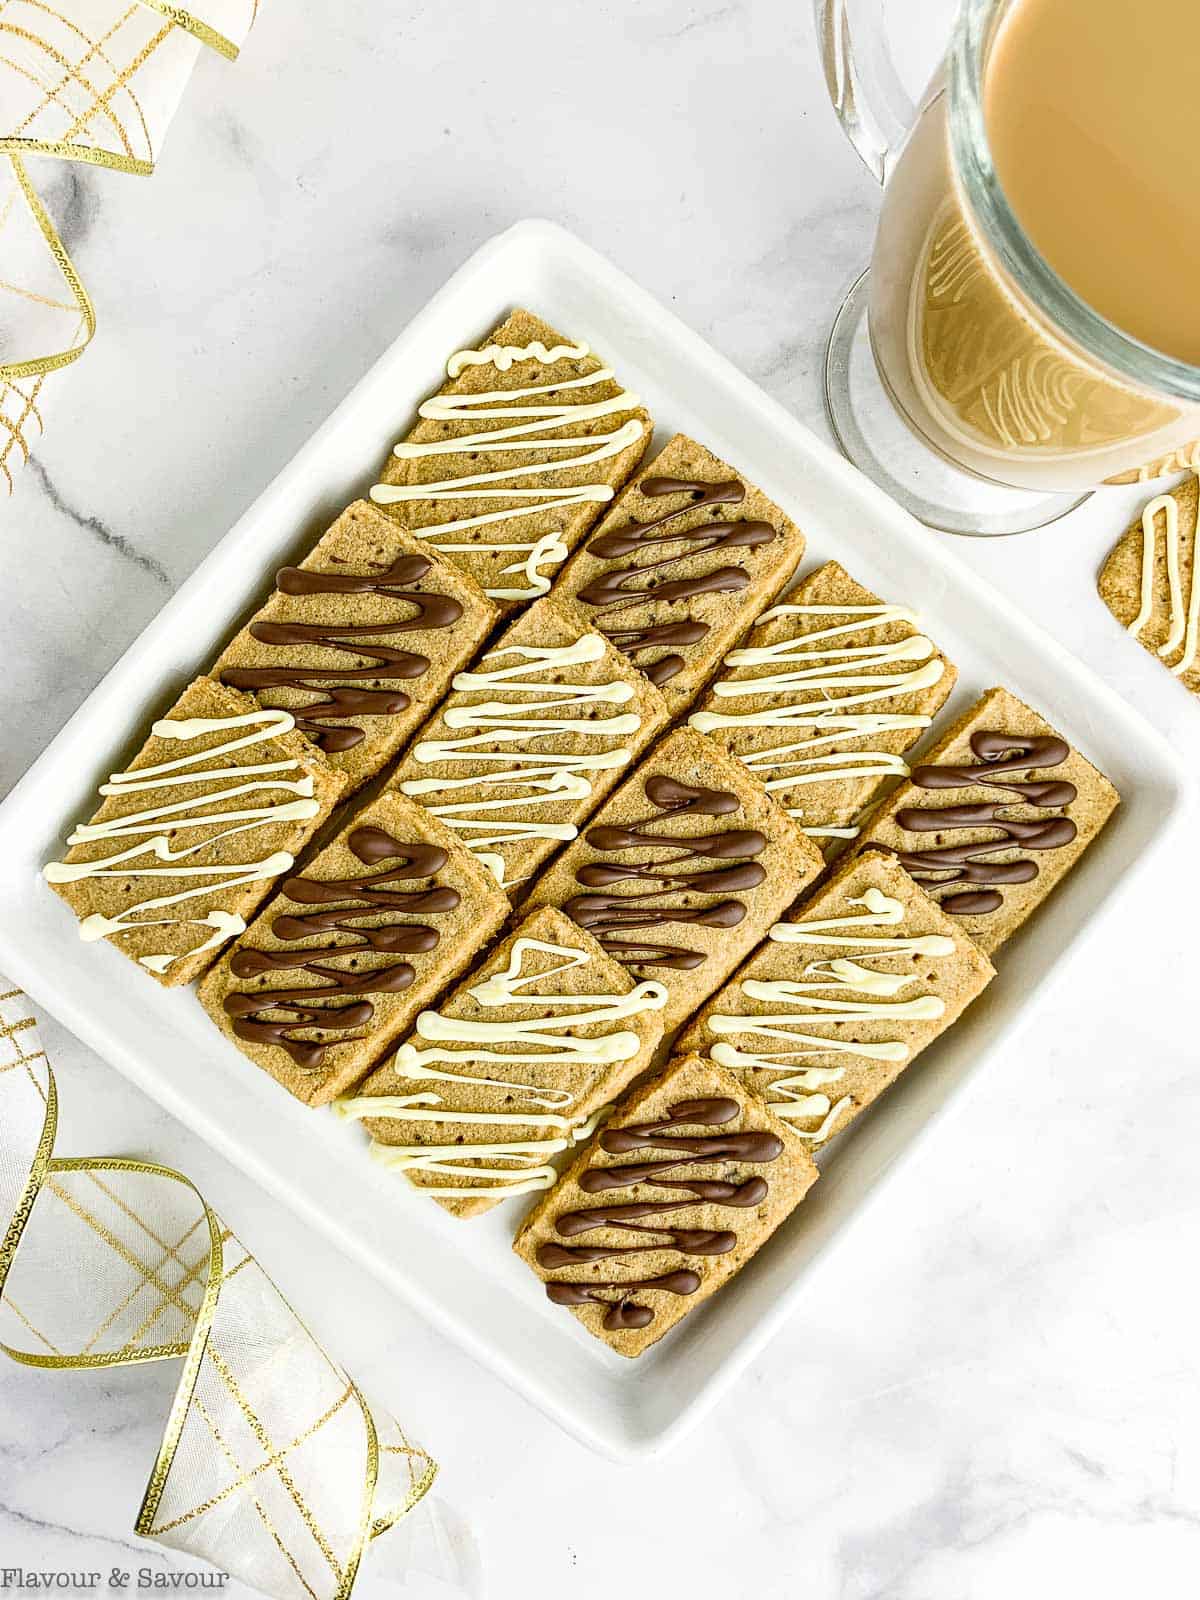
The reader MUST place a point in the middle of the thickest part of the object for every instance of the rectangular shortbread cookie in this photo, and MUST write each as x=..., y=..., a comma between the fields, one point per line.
x=682, y=564
x=842, y=997
x=1151, y=580
x=995, y=817
x=508, y=1070
x=184, y=846
x=682, y=870
x=515, y=456
x=337, y=967
x=829, y=690
x=360, y=641
x=530, y=740
x=689, y=1177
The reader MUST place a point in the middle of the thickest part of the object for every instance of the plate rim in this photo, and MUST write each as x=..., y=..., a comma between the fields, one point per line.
x=620, y=1442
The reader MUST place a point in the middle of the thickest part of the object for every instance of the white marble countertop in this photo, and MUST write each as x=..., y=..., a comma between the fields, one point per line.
x=993, y=1389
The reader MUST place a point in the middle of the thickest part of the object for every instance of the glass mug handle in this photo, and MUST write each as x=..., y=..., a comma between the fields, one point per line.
x=875, y=110
x=880, y=119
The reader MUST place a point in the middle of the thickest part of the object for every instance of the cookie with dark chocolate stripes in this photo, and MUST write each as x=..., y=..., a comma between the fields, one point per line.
x=682, y=870
x=994, y=817
x=686, y=1180
x=360, y=640
x=681, y=565
x=354, y=945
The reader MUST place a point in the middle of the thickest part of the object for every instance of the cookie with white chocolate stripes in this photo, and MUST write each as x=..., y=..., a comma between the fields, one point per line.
x=687, y=1179
x=515, y=457
x=191, y=836
x=994, y=817
x=841, y=997
x=826, y=694
x=511, y=1068
x=530, y=740
x=1151, y=580
x=681, y=565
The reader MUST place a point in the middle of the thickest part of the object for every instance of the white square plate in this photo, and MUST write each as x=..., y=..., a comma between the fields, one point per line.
x=463, y=1276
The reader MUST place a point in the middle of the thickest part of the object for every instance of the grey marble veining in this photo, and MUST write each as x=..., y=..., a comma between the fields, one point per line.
x=992, y=1389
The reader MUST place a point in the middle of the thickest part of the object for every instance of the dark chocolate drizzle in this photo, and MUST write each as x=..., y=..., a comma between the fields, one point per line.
x=622, y=1314
x=619, y=587
x=606, y=915
x=349, y=901
x=385, y=661
x=683, y=1150
x=1001, y=754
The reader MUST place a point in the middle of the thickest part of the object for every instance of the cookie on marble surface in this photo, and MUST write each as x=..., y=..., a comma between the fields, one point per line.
x=515, y=457
x=184, y=846
x=681, y=565
x=682, y=870
x=687, y=1180
x=359, y=642
x=382, y=920
x=1151, y=581
x=995, y=817
x=829, y=690
x=530, y=740
x=509, y=1069
x=842, y=997
x=1185, y=458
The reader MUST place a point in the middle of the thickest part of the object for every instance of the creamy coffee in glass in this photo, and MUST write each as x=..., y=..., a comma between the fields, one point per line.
x=1032, y=306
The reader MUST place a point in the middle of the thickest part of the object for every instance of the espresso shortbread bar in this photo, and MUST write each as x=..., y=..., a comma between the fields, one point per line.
x=825, y=696
x=510, y=1067
x=530, y=740
x=841, y=997
x=682, y=870
x=689, y=1177
x=995, y=817
x=515, y=456
x=360, y=641
x=681, y=565
x=337, y=967
x=1151, y=581
x=185, y=845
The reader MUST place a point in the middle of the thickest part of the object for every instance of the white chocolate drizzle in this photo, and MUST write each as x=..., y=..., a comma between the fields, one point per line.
x=502, y=356
x=513, y=1166
x=791, y=1096
x=1184, y=623
x=1174, y=461
x=523, y=719
x=540, y=437
x=530, y=1167
x=153, y=827
x=800, y=697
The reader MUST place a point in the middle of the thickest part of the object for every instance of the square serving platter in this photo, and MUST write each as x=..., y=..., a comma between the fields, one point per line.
x=462, y=1275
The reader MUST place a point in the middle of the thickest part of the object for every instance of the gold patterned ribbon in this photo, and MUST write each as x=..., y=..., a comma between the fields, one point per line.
x=272, y=1464
x=94, y=81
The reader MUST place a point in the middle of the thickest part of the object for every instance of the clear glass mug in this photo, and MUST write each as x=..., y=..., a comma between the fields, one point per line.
x=963, y=374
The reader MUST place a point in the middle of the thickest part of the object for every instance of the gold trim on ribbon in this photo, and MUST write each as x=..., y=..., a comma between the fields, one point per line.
x=37, y=1171
x=60, y=358
x=365, y=1533
x=88, y=155
x=198, y=29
